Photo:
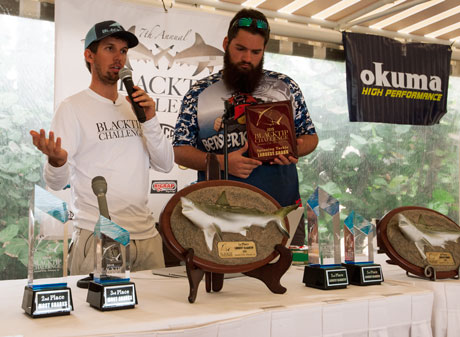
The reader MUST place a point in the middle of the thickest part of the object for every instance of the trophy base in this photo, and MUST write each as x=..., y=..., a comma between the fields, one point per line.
x=112, y=296
x=325, y=277
x=47, y=301
x=364, y=274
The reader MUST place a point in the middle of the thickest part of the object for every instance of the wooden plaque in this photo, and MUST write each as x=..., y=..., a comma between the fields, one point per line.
x=270, y=131
x=427, y=227
x=247, y=252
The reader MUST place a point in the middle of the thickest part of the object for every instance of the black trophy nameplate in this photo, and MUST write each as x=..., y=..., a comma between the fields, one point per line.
x=53, y=301
x=113, y=296
x=325, y=277
x=364, y=274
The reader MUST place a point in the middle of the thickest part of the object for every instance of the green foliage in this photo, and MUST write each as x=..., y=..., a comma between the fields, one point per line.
x=26, y=98
x=373, y=168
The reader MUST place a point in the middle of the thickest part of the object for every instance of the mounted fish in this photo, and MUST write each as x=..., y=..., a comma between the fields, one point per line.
x=221, y=217
x=221, y=226
x=421, y=241
x=226, y=224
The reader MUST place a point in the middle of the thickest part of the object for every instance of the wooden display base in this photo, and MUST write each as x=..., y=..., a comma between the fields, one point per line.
x=325, y=277
x=270, y=274
x=365, y=274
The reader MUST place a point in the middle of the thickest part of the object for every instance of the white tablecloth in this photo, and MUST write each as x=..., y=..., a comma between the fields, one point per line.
x=446, y=304
x=244, y=307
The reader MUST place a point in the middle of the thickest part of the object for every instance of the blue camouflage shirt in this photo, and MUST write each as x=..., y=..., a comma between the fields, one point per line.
x=203, y=106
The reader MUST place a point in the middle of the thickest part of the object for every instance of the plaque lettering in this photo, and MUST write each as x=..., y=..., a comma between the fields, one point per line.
x=270, y=131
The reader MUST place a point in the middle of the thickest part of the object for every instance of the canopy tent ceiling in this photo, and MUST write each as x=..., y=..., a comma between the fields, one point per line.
x=322, y=21
x=431, y=21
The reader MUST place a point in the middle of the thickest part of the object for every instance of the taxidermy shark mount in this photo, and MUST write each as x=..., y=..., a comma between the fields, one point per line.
x=221, y=217
x=421, y=235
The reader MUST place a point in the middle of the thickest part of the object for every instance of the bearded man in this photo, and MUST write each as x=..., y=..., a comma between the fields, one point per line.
x=243, y=82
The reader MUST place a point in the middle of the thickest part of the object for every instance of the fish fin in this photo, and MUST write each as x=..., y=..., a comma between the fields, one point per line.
x=283, y=211
x=199, y=40
x=132, y=30
x=222, y=200
x=282, y=227
x=200, y=68
x=218, y=231
x=209, y=238
x=245, y=231
x=420, y=247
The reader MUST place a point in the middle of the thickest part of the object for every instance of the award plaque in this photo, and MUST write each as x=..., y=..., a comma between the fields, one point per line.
x=111, y=288
x=359, y=251
x=422, y=241
x=270, y=131
x=46, y=292
x=324, y=269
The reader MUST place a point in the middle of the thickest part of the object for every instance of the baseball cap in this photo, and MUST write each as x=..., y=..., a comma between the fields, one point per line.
x=107, y=28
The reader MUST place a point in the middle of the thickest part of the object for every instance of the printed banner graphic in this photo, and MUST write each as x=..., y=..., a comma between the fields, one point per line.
x=175, y=48
x=393, y=82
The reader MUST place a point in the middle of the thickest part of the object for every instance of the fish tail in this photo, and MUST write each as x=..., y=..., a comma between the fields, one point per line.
x=281, y=214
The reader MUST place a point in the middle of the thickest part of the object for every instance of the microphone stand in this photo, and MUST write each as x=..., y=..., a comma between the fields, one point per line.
x=225, y=117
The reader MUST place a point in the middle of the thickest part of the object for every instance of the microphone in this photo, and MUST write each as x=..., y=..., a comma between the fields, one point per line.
x=99, y=186
x=126, y=76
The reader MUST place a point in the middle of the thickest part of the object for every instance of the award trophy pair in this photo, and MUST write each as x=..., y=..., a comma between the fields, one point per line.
x=325, y=269
x=46, y=293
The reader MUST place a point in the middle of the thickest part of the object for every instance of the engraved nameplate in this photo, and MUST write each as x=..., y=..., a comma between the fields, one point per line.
x=236, y=249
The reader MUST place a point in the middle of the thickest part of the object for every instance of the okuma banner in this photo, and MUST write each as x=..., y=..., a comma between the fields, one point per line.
x=393, y=82
x=176, y=48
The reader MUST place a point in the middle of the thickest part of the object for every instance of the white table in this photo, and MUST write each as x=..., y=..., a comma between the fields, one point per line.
x=446, y=304
x=244, y=307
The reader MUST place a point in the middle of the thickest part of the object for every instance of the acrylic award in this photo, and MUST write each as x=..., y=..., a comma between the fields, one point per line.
x=324, y=269
x=111, y=288
x=359, y=251
x=46, y=292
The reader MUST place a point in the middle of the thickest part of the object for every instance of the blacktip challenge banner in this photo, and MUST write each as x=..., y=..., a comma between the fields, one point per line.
x=176, y=48
x=393, y=82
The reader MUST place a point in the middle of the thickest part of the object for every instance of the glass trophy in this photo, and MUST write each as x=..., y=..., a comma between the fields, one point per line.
x=324, y=269
x=111, y=288
x=359, y=251
x=46, y=292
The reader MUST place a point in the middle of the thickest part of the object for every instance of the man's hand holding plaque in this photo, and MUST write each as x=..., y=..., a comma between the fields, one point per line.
x=270, y=131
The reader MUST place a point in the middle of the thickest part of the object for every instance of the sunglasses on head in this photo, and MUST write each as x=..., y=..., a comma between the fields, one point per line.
x=248, y=22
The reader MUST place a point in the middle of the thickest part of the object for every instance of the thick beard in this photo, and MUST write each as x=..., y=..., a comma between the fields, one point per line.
x=245, y=81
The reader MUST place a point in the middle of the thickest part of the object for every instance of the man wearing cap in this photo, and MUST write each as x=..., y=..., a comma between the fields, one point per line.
x=96, y=133
x=242, y=82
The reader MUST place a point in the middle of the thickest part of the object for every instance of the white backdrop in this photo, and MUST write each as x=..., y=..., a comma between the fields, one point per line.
x=176, y=47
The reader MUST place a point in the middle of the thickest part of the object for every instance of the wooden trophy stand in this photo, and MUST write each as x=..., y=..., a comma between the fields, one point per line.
x=270, y=274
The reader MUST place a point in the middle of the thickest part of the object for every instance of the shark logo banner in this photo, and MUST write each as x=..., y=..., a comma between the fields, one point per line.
x=176, y=47
x=393, y=82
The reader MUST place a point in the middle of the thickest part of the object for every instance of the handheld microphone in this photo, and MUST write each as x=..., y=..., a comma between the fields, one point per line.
x=99, y=186
x=126, y=76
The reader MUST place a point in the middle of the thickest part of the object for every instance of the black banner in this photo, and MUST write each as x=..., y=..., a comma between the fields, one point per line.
x=393, y=82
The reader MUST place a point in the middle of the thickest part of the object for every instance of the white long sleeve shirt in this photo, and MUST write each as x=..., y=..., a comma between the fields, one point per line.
x=104, y=138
